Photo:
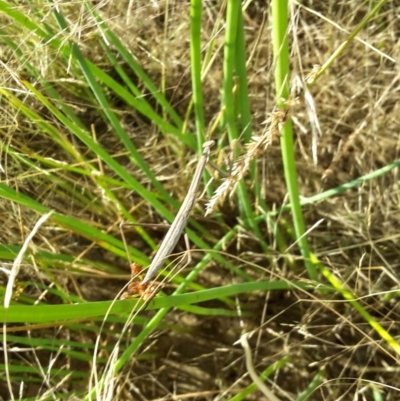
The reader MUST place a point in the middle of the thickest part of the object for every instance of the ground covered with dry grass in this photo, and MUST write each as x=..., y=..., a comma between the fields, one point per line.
x=352, y=132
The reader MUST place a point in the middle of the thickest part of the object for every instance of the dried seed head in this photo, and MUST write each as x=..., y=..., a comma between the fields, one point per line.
x=256, y=146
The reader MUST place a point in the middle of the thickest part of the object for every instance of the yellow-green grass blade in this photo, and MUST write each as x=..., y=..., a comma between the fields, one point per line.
x=85, y=199
x=65, y=48
x=62, y=184
x=53, y=396
x=53, y=372
x=338, y=52
x=57, y=260
x=352, y=300
x=24, y=20
x=48, y=88
x=89, y=142
x=65, y=346
x=82, y=228
x=312, y=387
x=36, y=161
x=56, y=135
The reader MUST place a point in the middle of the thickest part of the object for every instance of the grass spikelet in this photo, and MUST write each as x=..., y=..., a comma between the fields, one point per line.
x=257, y=146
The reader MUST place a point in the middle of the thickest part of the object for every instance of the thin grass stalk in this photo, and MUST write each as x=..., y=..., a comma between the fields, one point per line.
x=195, y=64
x=196, y=70
x=230, y=104
x=247, y=391
x=282, y=62
x=244, y=111
x=346, y=43
x=243, y=101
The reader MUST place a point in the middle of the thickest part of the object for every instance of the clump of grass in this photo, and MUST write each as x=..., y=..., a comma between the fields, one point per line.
x=105, y=110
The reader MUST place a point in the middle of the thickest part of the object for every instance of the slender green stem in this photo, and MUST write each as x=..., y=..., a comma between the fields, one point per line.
x=195, y=63
x=243, y=100
x=244, y=111
x=197, y=87
x=281, y=58
x=233, y=31
x=232, y=12
x=346, y=43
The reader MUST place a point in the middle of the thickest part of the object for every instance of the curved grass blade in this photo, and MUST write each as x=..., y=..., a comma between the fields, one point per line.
x=138, y=71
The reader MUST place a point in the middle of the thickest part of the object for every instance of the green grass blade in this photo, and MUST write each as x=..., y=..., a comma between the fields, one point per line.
x=195, y=54
x=88, y=310
x=138, y=71
x=280, y=14
x=230, y=105
x=263, y=376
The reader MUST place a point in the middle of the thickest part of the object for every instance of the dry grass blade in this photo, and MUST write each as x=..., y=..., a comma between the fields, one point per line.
x=18, y=260
x=250, y=368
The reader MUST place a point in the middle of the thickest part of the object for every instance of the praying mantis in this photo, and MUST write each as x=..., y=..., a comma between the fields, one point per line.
x=144, y=287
